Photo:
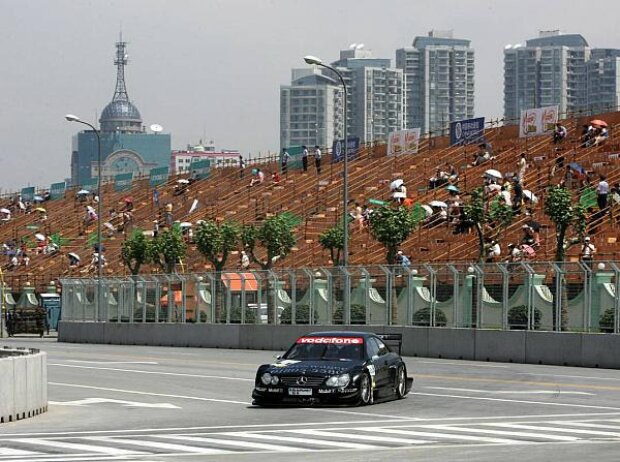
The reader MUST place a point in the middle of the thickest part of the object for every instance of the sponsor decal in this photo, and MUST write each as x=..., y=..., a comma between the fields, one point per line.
x=285, y=363
x=275, y=390
x=331, y=390
x=334, y=340
x=371, y=370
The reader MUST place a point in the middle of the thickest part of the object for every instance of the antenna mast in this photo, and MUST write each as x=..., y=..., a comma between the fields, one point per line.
x=120, y=61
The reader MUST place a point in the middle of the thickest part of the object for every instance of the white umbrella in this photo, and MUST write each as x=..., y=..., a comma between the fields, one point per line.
x=90, y=209
x=40, y=237
x=185, y=224
x=183, y=181
x=494, y=187
x=529, y=195
x=74, y=255
x=396, y=184
x=441, y=204
x=427, y=210
x=82, y=192
x=194, y=206
x=493, y=174
x=37, y=199
x=399, y=195
x=199, y=222
x=110, y=226
x=5, y=211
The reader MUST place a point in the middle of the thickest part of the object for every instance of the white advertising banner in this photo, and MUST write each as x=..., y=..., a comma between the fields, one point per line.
x=538, y=121
x=403, y=142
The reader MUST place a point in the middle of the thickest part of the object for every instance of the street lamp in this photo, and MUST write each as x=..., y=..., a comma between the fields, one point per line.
x=74, y=118
x=345, y=174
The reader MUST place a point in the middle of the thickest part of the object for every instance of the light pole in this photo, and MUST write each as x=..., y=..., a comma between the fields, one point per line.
x=345, y=174
x=74, y=118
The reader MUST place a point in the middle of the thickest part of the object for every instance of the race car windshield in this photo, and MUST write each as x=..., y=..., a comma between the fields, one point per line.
x=324, y=352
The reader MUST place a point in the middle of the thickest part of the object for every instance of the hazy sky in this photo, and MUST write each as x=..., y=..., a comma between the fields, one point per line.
x=212, y=69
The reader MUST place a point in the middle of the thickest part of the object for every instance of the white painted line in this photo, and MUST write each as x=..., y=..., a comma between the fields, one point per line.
x=463, y=364
x=111, y=362
x=82, y=448
x=157, y=445
x=586, y=406
x=514, y=392
x=136, y=371
x=584, y=424
x=17, y=452
x=426, y=434
x=361, y=414
x=134, y=392
x=557, y=429
x=351, y=436
x=87, y=401
x=293, y=439
x=486, y=431
x=586, y=378
x=234, y=443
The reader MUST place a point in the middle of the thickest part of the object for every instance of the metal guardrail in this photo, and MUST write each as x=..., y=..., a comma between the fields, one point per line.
x=568, y=296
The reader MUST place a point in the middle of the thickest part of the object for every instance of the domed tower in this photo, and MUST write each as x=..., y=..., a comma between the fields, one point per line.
x=120, y=115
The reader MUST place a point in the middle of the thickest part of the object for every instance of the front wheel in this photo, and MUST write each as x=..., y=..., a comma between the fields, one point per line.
x=365, y=390
x=400, y=385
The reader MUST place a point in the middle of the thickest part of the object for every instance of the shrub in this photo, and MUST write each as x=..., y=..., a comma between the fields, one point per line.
x=517, y=317
x=235, y=315
x=606, y=321
x=358, y=314
x=423, y=317
x=302, y=315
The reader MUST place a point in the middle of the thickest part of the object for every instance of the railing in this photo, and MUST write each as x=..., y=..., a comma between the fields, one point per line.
x=569, y=296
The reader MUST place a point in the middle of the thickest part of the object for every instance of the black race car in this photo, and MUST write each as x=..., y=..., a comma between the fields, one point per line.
x=334, y=367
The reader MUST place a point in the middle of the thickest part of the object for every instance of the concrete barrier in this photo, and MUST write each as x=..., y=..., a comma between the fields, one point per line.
x=23, y=383
x=533, y=347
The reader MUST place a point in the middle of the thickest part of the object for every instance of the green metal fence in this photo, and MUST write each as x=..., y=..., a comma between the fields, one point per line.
x=534, y=296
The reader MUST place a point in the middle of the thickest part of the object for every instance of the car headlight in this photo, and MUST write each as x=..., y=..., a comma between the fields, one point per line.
x=266, y=378
x=275, y=380
x=340, y=381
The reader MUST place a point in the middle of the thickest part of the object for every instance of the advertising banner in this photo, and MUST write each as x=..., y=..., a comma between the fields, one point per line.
x=200, y=169
x=57, y=190
x=467, y=131
x=403, y=142
x=538, y=121
x=28, y=194
x=353, y=144
x=122, y=181
x=90, y=184
x=158, y=175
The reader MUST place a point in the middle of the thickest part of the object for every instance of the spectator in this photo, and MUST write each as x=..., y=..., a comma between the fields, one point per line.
x=275, y=178
x=241, y=166
x=155, y=228
x=515, y=254
x=600, y=136
x=493, y=251
x=245, y=260
x=522, y=167
x=602, y=190
x=517, y=199
x=259, y=177
x=440, y=178
x=285, y=158
x=317, y=159
x=587, y=135
x=402, y=259
x=587, y=251
x=482, y=156
x=13, y=262
x=25, y=259
x=304, y=158
x=559, y=134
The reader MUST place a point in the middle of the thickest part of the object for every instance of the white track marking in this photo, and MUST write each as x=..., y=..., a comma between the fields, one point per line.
x=486, y=431
x=136, y=371
x=234, y=443
x=586, y=378
x=361, y=414
x=87, y=401
x=338, y=435
x=78, y=447
x=427, y=434
x=157, y=445
x=586, y=406
x=319, y=442
x=111, y=362
x=463, y=364
x=585, y=424
x=135, y=392
x=514, y=392
x=558, y=429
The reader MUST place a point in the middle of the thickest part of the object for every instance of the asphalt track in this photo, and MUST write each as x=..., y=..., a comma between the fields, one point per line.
x=133, y=403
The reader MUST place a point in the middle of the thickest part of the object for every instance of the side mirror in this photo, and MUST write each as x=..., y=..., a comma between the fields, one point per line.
x=278, y=356
x=375, y=357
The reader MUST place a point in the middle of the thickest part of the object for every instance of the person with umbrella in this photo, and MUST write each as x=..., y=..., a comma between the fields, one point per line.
x=559, y=133
x=74, y=259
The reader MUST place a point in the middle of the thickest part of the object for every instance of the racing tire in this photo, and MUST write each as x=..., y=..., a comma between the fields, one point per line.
x=365, y=387
x=400, y=382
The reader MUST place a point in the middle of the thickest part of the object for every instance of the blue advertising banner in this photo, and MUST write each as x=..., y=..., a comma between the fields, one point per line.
x=467, y=131
x=90, y=184
x=353, y=144
x=200, y=169
x=57, y=190
x=28, y=194
x=158, y=175
x=123, y=181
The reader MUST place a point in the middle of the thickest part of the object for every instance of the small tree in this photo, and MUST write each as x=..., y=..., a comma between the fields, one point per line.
x=168, y=249
x=560, y=209
x=391, y=227
x=332, y=240
x=135, y=251
x=215, y=241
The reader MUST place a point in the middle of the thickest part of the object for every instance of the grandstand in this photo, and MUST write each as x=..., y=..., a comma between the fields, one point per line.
x=317, y=200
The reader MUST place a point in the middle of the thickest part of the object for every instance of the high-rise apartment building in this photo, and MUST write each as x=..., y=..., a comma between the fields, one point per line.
x=603, y=80
x=439, y=79
x=548, y=70
x=311, y=109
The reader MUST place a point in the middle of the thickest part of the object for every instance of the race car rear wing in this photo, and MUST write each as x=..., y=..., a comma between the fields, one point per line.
x=392, y=340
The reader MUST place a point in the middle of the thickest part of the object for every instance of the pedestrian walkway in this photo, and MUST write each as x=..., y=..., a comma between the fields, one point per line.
x=341, y=438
